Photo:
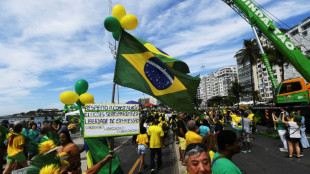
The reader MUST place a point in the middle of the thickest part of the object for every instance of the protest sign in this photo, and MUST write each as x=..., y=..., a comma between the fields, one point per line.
x=108, y=120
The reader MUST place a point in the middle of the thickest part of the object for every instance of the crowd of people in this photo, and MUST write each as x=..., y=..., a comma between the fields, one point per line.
x=201, y=138
x=204, y=145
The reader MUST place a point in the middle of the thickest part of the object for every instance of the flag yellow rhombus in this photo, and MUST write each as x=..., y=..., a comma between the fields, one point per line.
x=139, y=60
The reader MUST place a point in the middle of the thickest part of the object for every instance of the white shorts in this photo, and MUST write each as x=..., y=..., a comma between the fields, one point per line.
x=246, y=137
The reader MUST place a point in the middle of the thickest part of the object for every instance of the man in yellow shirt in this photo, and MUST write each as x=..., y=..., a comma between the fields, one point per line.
x=156, y=134
x=191, y=136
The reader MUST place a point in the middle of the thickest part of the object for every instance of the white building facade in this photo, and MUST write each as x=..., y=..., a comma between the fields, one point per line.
x=300, y=36
x=217, y=83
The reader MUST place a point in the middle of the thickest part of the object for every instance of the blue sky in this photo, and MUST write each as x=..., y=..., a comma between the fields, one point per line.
x=46, y=46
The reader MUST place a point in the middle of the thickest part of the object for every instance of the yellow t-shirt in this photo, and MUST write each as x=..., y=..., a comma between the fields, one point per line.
x=192, y=137
x=211, y=153
x=155, y=132
x=142, y=139
x=14, y=149
x=251, y=117
x=233, y=116
x=237, y=120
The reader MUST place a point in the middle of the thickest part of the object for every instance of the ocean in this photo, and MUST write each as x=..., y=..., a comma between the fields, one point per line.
x=36, y=119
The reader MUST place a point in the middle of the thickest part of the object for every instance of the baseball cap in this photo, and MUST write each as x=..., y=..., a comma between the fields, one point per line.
x=298, y=117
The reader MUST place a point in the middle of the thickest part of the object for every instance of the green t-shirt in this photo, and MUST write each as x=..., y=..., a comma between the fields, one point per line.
x=281, y=126
x=224, y=166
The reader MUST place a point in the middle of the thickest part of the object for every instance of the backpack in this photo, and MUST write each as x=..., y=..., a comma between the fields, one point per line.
x=165, y=126
x=174, y=125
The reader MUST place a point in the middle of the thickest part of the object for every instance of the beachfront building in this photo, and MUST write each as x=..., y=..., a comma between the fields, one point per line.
x=149, y=99
x=300, y=36
x=244, y=78
x=217, y=83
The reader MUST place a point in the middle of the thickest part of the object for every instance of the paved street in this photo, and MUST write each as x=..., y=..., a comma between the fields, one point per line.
x=264, y=158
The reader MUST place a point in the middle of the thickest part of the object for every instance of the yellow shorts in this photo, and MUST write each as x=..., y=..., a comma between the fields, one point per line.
x=182, y=143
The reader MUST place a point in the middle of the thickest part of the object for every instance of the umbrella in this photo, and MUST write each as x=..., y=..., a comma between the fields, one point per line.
x=149, y=104
x=133, y=102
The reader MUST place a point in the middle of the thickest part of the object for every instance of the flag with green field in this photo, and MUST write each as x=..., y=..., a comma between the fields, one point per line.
x=139, y=68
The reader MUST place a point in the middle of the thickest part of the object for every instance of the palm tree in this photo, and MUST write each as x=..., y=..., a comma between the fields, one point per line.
x=236, y=91
x=249, y=53
x=275, y=57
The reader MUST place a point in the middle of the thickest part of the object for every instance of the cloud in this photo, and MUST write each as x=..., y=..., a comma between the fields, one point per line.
x=46, y=46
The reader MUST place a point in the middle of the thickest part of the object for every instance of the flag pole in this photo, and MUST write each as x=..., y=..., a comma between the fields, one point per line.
x=113, y=96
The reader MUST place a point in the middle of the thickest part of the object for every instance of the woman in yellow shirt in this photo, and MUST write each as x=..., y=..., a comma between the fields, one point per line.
x=15, y=148
x=142, y=143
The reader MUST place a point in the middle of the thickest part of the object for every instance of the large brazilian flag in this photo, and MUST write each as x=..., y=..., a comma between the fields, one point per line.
x=138, y=68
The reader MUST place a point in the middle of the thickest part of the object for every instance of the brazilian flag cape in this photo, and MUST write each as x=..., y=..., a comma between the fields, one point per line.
x=139, y=68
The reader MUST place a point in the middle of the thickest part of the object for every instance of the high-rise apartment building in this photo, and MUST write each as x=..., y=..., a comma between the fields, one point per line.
x=217, y=83
x=300, y=36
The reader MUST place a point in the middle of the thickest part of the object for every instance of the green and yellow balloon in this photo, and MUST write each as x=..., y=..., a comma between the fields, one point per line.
x=79, y=96
x=120, y=20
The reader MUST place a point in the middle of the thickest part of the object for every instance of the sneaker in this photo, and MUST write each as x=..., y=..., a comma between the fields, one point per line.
x=290, y=157
x=244, y=151
x=152, y=171
x=301, y=154
x=281, y=148
x=284, y=150
x=249, y=151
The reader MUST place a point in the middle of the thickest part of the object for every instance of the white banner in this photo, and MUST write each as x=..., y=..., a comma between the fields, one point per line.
x=108, y=120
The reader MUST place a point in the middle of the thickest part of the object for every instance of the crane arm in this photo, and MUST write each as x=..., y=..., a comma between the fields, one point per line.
x=253, y=15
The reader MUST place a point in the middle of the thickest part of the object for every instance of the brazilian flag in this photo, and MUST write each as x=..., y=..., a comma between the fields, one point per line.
x=165, y=58
x=139, y=68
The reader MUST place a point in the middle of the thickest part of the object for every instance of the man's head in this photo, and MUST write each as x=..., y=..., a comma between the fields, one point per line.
x=298, y=112
x=181, y=116
x=227, y=142
x=191, y=124
x=197, y=159
x=216, y=119
x=156, y=122
x=5, y=123
x=245, y=114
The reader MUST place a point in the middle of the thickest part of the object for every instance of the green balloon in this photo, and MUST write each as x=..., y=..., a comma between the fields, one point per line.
x=112, y=24
x=79, y=103
x=81, y=86
x=116, y=34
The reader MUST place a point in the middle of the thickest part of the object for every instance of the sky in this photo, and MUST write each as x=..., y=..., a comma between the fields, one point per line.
x=46, y=46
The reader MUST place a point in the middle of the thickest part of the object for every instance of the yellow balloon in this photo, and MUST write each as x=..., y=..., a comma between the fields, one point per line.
x=87, y=98
x=129, y=22
x=118, y=12
x=69, y=97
